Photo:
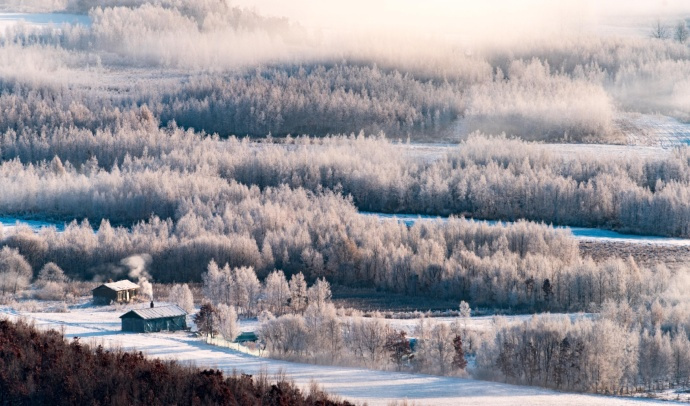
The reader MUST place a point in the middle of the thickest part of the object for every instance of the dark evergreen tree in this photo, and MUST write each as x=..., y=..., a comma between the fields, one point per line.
x=399, y=348
x=207, y=320
x=547, y=288
x=459, y=360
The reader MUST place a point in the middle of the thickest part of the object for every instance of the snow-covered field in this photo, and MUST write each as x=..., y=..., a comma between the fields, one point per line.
x=581, y=233
x=656, y=130
x=647, y=135
x=101, y=326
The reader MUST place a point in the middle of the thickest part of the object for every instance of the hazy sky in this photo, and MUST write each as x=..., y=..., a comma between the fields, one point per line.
x=471, y=20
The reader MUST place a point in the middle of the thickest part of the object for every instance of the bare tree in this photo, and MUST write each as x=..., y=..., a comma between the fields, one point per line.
x=681, y=32
x=660, y=30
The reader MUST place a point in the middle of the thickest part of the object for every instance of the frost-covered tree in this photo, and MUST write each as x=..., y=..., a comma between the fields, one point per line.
x=680, y=347
x=656, y=358
x=15, y=271
x=437, y=348
x=465, y=310
x=182, y=296
x=51, y=273
x=276, y=292
x=228, y=326
x=247, y=290
x=367, y=340
x=212, y=283
x=298, y=292
x=319, y=294
x=284, y=336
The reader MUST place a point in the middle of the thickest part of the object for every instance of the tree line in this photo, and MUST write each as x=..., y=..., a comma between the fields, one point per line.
x=199, y=216
x=626, y=346
x=624, y=349
x=614, y=353
x=484, y=177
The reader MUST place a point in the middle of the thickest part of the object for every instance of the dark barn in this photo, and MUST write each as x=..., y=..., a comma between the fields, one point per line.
x=118, y=292
x=170, y=318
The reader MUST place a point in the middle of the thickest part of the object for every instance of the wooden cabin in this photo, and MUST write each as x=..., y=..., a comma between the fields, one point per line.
x=165, y=318
x=123, y=291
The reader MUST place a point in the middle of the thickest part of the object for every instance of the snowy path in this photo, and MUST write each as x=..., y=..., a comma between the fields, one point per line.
x=356, y=384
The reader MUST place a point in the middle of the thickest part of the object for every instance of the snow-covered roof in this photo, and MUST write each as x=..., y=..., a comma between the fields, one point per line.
x=155, y=312
x=121, y=285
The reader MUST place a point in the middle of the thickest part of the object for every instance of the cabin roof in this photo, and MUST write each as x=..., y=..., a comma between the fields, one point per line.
x=120, y=285
x=151, y=313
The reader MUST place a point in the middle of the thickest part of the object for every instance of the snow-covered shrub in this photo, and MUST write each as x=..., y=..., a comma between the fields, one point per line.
x=50, y=291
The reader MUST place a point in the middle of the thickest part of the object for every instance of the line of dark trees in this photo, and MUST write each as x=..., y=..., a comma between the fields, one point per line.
x=42, y=368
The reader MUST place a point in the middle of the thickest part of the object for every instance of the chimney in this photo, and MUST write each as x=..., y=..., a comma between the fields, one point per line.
x=152, y=304
x=110, y=280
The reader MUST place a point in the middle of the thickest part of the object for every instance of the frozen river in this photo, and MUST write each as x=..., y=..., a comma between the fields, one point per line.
x=41, y=19
x=9, y=223
x=581, y=233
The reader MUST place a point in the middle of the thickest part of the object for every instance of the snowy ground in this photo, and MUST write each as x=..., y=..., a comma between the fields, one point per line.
x=647, y=135
x=655, y=130
x=101, y=326
x=581, y=233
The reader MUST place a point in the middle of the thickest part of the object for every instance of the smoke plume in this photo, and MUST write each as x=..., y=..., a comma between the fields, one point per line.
x=138, y=265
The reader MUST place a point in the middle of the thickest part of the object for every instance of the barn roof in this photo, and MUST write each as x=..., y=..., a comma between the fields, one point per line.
x=120, y=285
x=155, y=313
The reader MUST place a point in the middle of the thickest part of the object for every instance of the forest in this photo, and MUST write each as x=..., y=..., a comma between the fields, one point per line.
x=112, y=160
x=250, y=153
x=293, y=80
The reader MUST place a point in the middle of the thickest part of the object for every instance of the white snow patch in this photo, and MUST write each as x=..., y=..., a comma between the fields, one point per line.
x=656, y=130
